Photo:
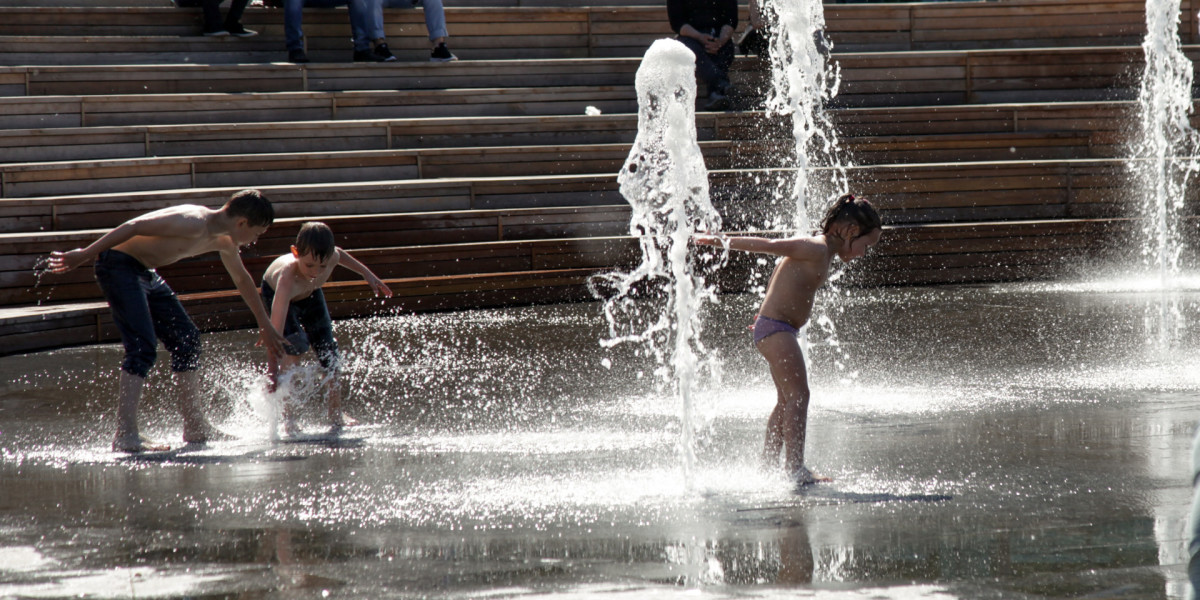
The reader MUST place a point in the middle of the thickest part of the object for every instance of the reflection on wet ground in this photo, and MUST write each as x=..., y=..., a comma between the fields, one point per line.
x=1020, y=441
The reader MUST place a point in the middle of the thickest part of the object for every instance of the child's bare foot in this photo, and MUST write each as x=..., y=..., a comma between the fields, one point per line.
x=342, y=419
x=803, y=476
x=136, y=443
x=204, y=433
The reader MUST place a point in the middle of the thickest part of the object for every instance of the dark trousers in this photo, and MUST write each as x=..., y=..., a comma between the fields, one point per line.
x=146, y=310
x=212, y=13
x=712, y=69
x=307, y=325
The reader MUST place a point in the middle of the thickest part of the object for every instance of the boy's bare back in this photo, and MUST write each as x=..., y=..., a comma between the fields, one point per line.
x=159, y=238
x=180, y=232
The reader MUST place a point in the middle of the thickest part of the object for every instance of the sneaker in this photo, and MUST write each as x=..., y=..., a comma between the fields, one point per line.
x=366, y=56
x=441, y=54
x=216, y=33
x=297, y=57
x=236, y=30
x=383, y=53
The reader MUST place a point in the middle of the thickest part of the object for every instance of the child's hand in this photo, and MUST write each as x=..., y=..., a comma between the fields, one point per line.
x=379, y=287
x=270, y=339
x=707, y=239
x=62, y=262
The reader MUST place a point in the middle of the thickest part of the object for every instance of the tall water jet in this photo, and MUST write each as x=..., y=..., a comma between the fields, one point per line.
x=1164, y=151
x=1163, y=159
x=803, y=80
x=665, y=181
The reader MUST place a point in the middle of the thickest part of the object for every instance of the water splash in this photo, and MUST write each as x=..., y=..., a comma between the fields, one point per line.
x=665, y=181
x=1165, y=147
x=803, y=80
x=1163, y=156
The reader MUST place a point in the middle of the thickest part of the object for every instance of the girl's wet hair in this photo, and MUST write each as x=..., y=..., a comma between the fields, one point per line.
x=855, y=210
x=316, y=238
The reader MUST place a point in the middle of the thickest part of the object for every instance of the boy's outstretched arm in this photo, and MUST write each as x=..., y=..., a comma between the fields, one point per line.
x=269, y=336
x=377, y=285
x=157, y=223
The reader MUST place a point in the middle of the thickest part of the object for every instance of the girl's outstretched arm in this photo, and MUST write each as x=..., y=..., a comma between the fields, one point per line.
x=797, y=247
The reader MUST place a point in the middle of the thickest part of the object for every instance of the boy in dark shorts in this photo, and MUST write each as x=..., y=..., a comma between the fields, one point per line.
x=291, y=287
x=146, y=310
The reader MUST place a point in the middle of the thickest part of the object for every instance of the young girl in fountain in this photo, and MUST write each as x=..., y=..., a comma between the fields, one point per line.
x=849, y=228
x=291, y=287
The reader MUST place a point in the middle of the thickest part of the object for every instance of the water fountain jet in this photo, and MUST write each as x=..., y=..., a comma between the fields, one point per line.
x=665, y=181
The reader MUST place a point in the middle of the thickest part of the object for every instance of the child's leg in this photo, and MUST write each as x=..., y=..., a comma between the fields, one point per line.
x=783, y=354
x=182, y=338
x=318, y=326
x=773, y=445
x=121, y=280
x=285, y=367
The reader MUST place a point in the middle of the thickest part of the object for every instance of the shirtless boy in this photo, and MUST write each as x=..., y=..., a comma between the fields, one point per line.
x=849, y=228
x=146, y=309
x=292, y=288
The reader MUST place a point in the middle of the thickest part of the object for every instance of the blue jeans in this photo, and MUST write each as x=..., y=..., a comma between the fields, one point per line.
x=363, y=15
x=146, y=310
x=307, y=325
x=435, y=16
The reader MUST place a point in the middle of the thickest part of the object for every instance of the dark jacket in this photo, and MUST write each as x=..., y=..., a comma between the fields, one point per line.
x=708, y=16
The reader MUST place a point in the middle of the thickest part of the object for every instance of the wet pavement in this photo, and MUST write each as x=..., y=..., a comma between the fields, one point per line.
x=1017, y=441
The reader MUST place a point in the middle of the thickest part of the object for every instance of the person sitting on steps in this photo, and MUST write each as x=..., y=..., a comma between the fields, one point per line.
x=435, y=26
x=369, y=45
x=706, y=27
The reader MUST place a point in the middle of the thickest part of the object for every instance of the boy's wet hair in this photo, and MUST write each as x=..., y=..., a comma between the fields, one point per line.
x=315, y=238
x=855, y=210
x=251, y=205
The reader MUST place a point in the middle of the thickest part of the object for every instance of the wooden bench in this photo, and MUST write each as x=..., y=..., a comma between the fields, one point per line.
x=282, y=77
x=42, y=112
x=27, y=329
x=18, y=180
x=21, y=254
x=872, y=136
x=39, y=35
x=68, y=213
x=908, y=255
x=40, y=145
x=918, y=193
x=878, y=79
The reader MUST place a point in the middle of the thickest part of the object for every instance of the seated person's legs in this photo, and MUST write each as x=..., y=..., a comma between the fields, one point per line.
x=366, y=17
x=293, y=28
x=231, y=25
x=713, y=70
x=435, y=26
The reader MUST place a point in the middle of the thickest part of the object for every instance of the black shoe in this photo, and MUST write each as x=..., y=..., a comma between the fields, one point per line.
x=215, y=32
x=236, y=29
x=297, y=57
x=441, y=54
x=383, y=53
x=366, y=56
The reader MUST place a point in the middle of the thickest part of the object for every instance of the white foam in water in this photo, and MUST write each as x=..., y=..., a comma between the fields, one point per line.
x=665, y=181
